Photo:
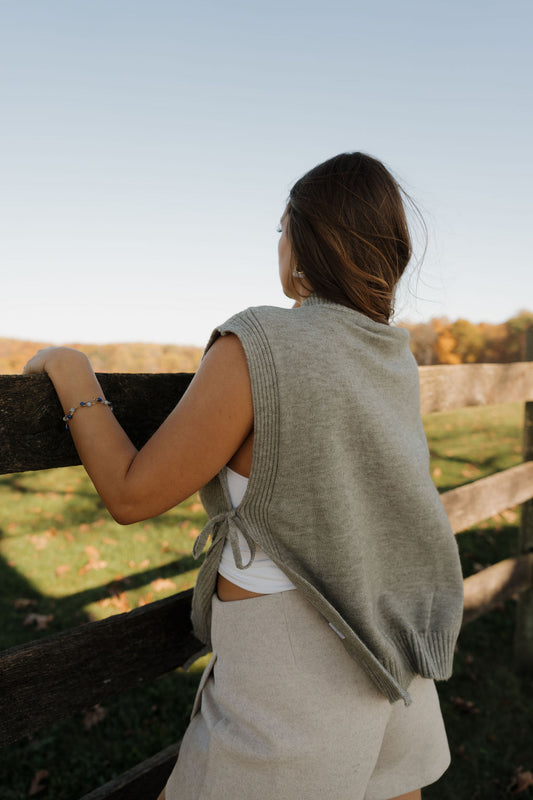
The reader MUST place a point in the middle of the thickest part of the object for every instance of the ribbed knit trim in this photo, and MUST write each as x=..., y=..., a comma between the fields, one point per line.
x=265, y=396
x=431, y=654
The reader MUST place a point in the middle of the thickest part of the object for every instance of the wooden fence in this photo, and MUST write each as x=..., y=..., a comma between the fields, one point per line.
x=55, y=677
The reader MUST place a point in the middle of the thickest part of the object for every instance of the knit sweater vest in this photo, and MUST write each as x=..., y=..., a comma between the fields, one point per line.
x=340, y=496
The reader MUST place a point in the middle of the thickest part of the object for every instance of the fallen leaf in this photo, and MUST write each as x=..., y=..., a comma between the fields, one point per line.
x=194, y=533
x=38, y=782
x=466, y=706
x=194, y=507
x=469, y=471
x=143, y=601
x=62, y=569
x=119, y=601
x=84, y=528
x=145, y=563
x=107, y=540
x=437, y=472
x=41, y=621
x=24, y=602
x=93, y=717
x=94, y=562
x=139, y=537
x=521, y=781
x=461, y=751
x=162, y=584
x=68, y=536
x=38, y=542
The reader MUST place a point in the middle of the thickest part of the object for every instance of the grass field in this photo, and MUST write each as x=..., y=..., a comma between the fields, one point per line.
x=63, y=561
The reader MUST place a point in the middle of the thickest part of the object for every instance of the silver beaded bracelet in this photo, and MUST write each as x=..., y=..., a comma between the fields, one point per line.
x=98, y=401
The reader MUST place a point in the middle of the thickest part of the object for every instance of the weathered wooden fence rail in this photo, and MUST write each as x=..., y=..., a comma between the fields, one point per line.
x=54, y=677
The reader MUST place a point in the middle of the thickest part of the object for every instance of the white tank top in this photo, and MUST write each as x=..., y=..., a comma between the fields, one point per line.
x=262, y=576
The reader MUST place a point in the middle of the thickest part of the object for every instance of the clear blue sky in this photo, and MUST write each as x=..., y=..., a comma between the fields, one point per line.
x=147, y=148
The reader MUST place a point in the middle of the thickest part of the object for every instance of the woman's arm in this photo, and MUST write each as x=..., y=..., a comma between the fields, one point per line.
x=209, y=424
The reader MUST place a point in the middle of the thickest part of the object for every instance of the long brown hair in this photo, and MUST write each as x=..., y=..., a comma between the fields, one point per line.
x=348, y=231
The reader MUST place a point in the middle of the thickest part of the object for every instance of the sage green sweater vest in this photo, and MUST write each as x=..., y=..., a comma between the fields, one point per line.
x=340, y=496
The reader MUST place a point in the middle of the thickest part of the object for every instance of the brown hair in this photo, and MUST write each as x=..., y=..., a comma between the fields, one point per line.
x=347, y=227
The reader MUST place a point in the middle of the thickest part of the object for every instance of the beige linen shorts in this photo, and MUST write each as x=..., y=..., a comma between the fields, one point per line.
x=284, y=713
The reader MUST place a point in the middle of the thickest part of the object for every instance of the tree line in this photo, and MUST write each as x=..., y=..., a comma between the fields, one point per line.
x=438, y=341
x=441, y=341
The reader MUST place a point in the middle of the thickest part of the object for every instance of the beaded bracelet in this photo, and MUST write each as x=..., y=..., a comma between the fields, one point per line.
x=86, y=404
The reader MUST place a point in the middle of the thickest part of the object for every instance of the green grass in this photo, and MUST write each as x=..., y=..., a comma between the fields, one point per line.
x=64, y=561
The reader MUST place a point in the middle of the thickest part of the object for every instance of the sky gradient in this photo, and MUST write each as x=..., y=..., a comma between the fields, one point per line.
x=147, y=149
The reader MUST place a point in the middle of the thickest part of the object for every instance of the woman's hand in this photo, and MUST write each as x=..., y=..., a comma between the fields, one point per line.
x=44, y=360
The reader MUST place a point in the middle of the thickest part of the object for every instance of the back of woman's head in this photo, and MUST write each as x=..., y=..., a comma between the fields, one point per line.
x=348, y=231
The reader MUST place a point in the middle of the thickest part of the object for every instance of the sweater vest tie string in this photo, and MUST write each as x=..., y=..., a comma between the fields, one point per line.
x=227, y=523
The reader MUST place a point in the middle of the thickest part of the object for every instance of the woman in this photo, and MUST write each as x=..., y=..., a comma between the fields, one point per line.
x=331, y=593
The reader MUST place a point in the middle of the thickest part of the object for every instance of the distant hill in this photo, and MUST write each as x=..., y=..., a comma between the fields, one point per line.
x=438, y=341
x=135, y=357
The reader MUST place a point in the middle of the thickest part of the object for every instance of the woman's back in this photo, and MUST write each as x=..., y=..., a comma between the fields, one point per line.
x=340, y=495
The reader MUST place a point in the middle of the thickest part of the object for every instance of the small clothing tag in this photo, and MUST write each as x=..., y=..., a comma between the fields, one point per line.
x=336, y=631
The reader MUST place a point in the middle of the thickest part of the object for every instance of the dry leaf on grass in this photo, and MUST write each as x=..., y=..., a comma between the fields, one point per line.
x=24, y=602
x=61, y=569
x=470, y=471
x=41, y=621
x=94, y=562
x=38, y=782
x=143, y=601
x=39, y=542
x=119, y=601
x=466, y=706
x=162, y=584
x=521, y=781
x=93, y=717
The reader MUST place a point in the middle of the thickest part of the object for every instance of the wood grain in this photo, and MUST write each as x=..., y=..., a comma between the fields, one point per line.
x=443, y=388
x=33, y=435
x=477, y=501
x=491, y=586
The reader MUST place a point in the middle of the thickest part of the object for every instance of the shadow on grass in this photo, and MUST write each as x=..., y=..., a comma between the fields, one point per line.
x=22, y=605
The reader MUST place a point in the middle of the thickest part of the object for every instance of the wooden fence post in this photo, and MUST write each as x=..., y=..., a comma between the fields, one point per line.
x=523, y=641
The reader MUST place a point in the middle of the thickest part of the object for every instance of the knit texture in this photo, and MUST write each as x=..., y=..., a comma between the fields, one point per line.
x=340, y=496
